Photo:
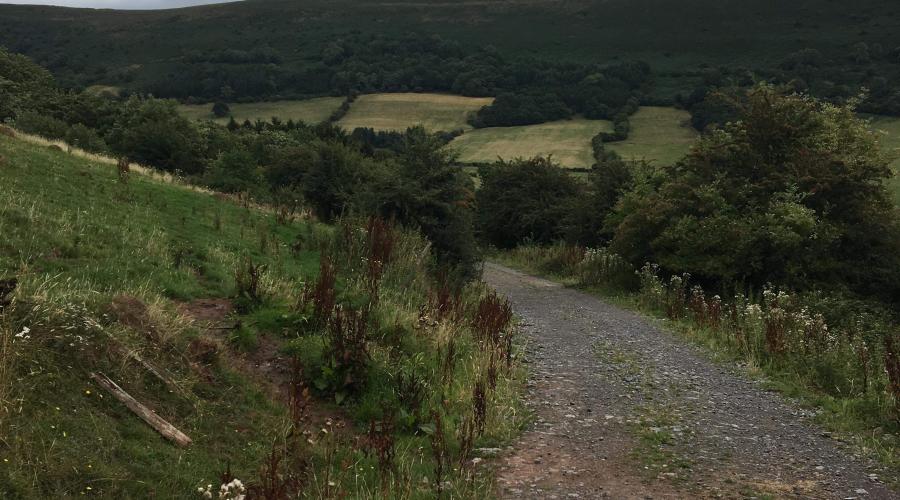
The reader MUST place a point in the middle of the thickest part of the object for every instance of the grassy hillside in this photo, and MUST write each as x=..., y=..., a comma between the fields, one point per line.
x=137, y=45
x=311, y=111
x=568, y=141
x=77, y=238
x=661, y=135
x=115, y=277
x=397, y=112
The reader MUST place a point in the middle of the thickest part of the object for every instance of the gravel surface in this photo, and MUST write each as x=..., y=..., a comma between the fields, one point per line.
x=624, y=409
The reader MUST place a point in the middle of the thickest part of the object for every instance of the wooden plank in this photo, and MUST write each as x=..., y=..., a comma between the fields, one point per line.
x=147, y=415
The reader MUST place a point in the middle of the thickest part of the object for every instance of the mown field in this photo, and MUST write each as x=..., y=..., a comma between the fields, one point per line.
x=311, y=111
x=658, y=134
x=397, y=112
x=890, y=143
x=568, y=141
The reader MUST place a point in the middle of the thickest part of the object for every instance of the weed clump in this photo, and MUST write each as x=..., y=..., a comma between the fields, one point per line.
x=248, y=282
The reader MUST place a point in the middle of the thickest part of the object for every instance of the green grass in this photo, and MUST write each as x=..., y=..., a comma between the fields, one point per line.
x=310, y=111
x=890, y=143
x=397, y=112
x=658, y=134
x=76, y=237
x=568, y=141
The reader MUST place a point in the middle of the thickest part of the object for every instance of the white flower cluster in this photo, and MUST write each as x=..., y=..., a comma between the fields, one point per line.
x=229, y=491
x=24, y=334
x=599, y=265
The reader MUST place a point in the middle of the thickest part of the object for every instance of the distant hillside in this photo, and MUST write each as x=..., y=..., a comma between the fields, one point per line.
x=290, y=47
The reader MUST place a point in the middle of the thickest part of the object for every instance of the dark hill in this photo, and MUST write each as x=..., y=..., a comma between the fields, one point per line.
x=282, y=40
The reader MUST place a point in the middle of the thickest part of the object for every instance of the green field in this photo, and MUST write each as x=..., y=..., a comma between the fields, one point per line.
x=310, y=111
x=890, y=144
x=397, y=112
x=660, y=135
x=567, y=141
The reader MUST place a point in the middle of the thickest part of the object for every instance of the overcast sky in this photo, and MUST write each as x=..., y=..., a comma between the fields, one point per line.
x=117, y=4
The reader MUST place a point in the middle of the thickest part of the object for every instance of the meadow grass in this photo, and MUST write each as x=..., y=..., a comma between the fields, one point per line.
x=568, y=141
x=397, y=112
x=310, y=111
x=889, y=126
x=78, y=238
x=659, y=135
x=75, y=237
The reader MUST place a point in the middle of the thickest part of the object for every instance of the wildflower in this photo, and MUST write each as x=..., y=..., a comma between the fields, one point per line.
x=24, y=333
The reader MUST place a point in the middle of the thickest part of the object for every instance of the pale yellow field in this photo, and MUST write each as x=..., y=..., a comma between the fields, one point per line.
x=436, y=112
x=567, y=141
x=660, y=135
x=890, y=144
x=310, y=111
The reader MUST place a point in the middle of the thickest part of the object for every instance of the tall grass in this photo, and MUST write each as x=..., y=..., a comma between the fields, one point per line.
x=430, y=379
x=80, y=242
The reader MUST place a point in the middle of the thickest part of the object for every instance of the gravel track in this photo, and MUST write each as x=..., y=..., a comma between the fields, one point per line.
x=624, y=409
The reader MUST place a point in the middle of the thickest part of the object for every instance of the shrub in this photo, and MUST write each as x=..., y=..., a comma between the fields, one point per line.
x=347, y=352
x=42, y=125
x=234, y=172
x=524, y=200
x=85, y=138
x=221, y=110
x=248, y=282
x=793, y=193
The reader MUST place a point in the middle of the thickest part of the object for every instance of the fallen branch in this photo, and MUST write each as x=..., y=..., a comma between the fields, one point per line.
x=147, y=415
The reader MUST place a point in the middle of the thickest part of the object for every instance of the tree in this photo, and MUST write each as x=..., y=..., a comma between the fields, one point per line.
x=152, y=132
x=524, y=200
x=422, y=188
x=24, y=86
x=221, y=110
x=234, y=172
x=608, y=181
x=792, y=193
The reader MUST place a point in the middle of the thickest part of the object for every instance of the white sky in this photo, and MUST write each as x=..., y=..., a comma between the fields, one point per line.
x=116, y=4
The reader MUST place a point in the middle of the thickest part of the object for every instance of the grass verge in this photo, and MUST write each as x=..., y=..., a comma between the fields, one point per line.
x=116, y=274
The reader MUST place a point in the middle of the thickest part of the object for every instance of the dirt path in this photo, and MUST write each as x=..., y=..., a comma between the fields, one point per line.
x=626, y=410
